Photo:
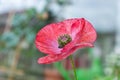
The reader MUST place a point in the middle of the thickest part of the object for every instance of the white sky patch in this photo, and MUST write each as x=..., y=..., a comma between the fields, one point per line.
x=7, y=5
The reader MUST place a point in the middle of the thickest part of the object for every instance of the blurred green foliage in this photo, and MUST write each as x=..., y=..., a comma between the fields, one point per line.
x=91, y=73
x=95, y=71
x=25, y=25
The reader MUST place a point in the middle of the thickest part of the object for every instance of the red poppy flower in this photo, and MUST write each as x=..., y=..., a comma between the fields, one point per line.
x=60, y=40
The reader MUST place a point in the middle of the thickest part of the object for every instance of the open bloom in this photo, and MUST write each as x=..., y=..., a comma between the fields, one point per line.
x=60, y=40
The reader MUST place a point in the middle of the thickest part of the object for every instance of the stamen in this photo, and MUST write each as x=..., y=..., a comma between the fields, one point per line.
x=63, y=40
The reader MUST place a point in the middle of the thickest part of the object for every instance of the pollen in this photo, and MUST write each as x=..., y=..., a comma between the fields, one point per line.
x=64, y=40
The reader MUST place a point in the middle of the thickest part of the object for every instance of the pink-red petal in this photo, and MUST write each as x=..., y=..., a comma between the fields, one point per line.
x=87, y=34
x=84, y=34
x=54, y=58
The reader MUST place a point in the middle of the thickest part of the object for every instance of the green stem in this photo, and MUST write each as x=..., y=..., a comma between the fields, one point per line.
x=73, y=66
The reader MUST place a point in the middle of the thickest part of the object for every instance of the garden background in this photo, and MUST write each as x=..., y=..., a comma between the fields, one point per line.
x=20, y=20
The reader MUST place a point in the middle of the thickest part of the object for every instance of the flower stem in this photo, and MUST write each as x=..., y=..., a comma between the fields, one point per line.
x=73, y=66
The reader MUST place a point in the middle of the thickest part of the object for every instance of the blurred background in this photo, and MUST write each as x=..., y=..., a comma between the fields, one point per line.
x=20, y=20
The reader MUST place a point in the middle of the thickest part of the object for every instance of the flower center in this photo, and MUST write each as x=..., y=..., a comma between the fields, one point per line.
x=63, y=40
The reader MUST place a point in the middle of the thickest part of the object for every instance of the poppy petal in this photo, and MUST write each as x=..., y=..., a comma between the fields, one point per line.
x=73, y=26
x=46, y=39
x=54, y=58
x=76, y=28
x=87, y=34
